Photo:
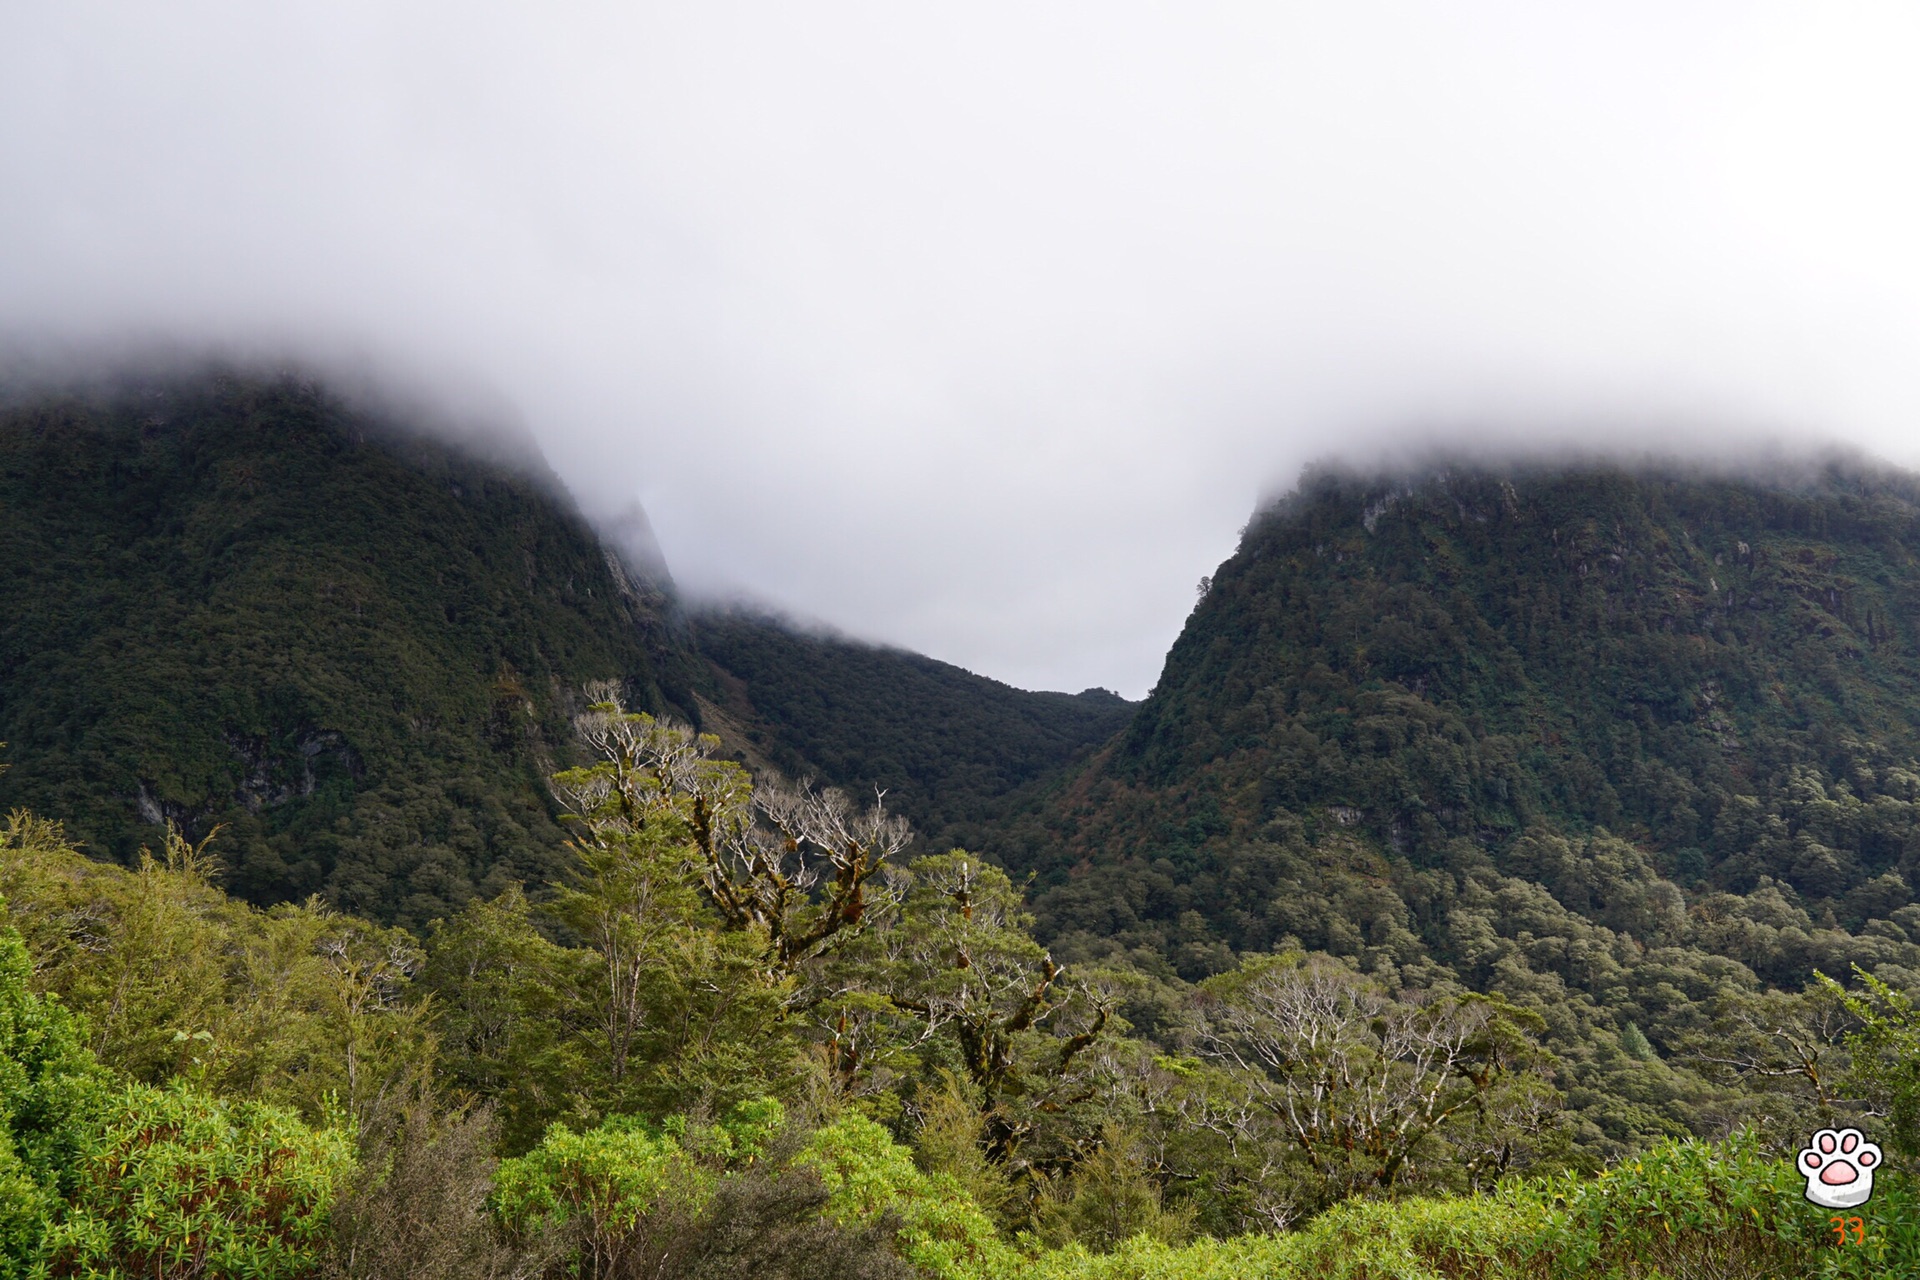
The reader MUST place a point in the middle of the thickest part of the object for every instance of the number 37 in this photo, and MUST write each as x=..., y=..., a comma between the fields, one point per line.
x=1850, y=1230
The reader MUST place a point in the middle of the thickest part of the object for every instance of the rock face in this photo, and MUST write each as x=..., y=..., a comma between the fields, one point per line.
x=636, y=555
x=241, y=602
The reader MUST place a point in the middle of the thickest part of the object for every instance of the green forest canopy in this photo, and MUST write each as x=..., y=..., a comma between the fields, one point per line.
x=241, y=601
x=673, y=1065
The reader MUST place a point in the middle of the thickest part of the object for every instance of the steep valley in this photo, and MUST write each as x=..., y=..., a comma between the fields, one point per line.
x=1621, y=746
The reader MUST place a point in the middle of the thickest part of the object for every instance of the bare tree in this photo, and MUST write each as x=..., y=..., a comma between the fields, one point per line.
x=787, y=863
x=1793, y=1042
x=801, y=874
x=1355, y=1079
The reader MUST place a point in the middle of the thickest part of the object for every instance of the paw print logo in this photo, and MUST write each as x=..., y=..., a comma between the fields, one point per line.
x=1839, y=1166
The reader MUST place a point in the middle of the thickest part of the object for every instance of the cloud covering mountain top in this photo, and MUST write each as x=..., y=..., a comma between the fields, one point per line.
x=980, y=329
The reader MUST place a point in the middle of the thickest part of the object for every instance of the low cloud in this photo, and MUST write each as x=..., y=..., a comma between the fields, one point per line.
x=982, y=329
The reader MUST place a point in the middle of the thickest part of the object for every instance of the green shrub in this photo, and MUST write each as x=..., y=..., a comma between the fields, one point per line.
x=869, y=1176
x=1480, y=1237
x=622, y=1190
x=1682, y=1207
x=1268, y=1257
x=24, y=1203
x=1425, y=1239
x=751, y=1126
x=46, y=1077
x=1728, y=1211
x=1890, y=1243
x=174, y=1183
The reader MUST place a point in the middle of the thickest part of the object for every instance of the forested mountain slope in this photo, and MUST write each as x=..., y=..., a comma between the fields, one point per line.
x=234, y=599
x=238, y=601
x=1618, y=744
x=952, y=750
x=1725, y=672
x=1582, y=771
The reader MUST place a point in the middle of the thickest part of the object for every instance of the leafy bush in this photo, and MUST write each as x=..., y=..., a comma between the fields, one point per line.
x=869, y=1176
x=621, y=1191
x=175, y=1184
x=45, y=1076
x=1730, y=1209
x=1687, y=1210
x=721, y=1200
x=1682, y=1208
x=1890, y=1236
x=1479, y=1237
x=41, y=1056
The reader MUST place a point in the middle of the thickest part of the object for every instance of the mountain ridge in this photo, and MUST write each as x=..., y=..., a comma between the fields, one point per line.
x=1484, y=652
x=238, y=599
x=1620, y=749
x=872, y=717
x=207, y=622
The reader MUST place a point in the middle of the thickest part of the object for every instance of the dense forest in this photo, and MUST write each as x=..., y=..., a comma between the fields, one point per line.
x=747, y=1034
x=1614, y=745
x=236, y=600
x=954, y=752
x=1509, y=871
x=1720, y=670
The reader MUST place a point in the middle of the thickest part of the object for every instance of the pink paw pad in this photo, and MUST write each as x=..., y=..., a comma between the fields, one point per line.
x=1834, y=1163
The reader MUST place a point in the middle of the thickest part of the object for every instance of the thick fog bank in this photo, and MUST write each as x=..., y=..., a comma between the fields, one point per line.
x=980, y=329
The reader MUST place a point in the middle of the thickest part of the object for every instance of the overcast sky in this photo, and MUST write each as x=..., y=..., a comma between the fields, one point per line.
x=981, y=328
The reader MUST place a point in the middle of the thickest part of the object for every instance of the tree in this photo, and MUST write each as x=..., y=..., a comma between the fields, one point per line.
x=952, y=950
x=787, y=865
x=1781, y=1042
x=630, y=900
x=1112, y=1196
x=1886, y=1056
x=1357, y=1081
x=509, y=1010
x=682, y=1011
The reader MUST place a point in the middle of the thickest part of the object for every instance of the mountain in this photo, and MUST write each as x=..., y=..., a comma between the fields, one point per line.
x=1723, y=670
x=1609, y=741
x=241, y=601
x=954, y=752
x=1622, y=747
